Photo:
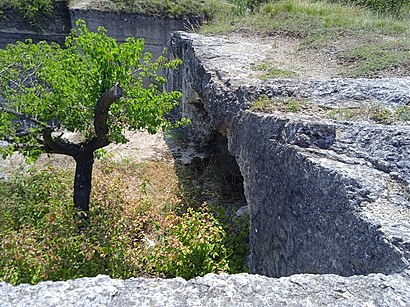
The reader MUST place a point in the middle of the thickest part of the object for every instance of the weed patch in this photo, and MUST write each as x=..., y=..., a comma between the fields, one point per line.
x=373, y=58
x=175, y=8
x=264, y=104
x=270, y=72
x=140, y=225
x=368, y=111
x=31, y=10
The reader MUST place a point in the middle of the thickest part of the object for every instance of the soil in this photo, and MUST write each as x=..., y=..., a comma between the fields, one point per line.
x=141, y=147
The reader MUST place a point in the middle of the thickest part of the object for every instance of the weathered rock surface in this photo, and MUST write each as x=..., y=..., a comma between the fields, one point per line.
x=215, y=290
x=155, y=30
x=325, y=196
x=54, y=27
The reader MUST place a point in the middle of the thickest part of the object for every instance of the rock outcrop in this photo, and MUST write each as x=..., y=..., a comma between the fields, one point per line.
x=215, y=290
x=154, y=29
x=56, y=26
x=325, y=196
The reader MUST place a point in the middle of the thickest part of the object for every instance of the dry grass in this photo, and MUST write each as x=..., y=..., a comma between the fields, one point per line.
x=149, y=184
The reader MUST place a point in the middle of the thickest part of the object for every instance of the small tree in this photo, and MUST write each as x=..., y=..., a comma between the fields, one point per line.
x=93, y=87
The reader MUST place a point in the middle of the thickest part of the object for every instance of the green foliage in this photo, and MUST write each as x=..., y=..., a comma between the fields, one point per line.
x=264, y=104
x=359, y=32
x=403, y=113
x=41, y=241
x=236, y=239
x=29, y=9
x=374, y=112
x=47, y=84
x=130, y=202
x=260, y=103
x=270, y=72
x=381, y=6
x=373, y=58
x=175, y=8
x=193, y=246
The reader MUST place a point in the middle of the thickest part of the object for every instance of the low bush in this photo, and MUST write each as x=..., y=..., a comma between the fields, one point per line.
x=192, y=245
x=132, y=205
x=31, y=10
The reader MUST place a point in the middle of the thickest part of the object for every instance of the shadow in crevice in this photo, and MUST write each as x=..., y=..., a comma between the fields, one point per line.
x=212, y=179
x=209, y=172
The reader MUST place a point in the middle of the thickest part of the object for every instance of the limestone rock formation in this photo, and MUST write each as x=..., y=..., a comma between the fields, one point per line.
x=325, y=196
x=215, y=290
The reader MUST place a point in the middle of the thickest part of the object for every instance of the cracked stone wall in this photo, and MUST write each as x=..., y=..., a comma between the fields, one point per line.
x=56, y=26
x=325, y=196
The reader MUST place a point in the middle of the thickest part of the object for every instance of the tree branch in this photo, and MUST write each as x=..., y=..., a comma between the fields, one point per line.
x=101, y=118
x=24, y=116
x=51, y=145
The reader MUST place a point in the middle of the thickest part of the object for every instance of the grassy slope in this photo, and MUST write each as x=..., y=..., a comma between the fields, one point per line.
x=372, y=45
x=175, y=8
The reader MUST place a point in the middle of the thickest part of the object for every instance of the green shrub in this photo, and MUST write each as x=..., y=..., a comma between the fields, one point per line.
x=193, y=246
x=131, y=202
x=31, y=10
x=40, y=239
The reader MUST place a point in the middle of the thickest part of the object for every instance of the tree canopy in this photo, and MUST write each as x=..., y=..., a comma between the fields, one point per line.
x=93, y=86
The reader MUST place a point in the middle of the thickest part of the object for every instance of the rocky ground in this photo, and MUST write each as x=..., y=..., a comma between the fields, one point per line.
x=215, y=290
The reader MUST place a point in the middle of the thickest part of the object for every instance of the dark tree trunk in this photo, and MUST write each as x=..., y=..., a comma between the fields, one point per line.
x=82, y=183
x=83, y=153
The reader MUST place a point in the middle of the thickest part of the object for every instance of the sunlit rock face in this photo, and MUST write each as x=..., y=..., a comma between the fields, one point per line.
x=324, y=196
x=215, y=290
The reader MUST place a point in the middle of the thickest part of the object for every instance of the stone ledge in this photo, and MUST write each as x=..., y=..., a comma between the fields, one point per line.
x=215, y=290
